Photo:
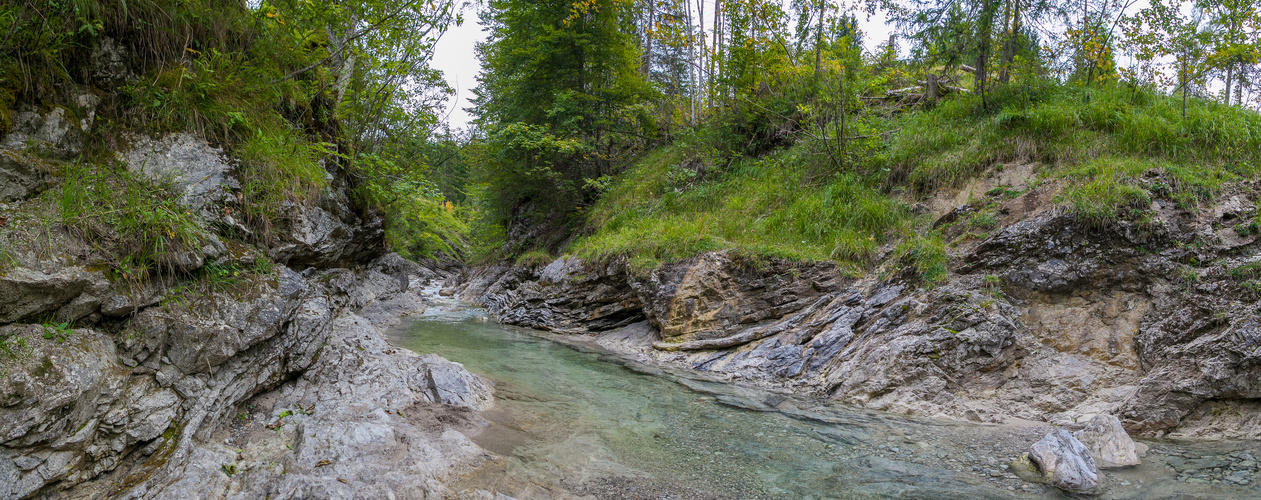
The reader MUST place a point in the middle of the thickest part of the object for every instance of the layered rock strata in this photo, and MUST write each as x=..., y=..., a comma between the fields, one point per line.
x=1042, y=319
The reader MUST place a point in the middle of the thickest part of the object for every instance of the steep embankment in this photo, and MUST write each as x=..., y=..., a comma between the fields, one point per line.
x=1046, y=318
x=228, y=369
x=1025, y=275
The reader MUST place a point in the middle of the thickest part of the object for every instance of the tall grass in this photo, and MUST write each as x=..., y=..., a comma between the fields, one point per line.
x=1070, y=125
x=137, y=223
x=279, y=168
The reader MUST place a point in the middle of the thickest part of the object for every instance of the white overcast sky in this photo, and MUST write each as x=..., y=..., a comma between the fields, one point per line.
x=458, y=61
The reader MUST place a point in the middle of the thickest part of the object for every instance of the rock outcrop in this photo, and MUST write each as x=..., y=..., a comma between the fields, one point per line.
x=140, y=405
x=272, y=379
x=1043, y=319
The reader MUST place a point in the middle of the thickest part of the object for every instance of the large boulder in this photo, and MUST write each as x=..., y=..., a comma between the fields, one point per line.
x=1108, y=442
x=1065, y=462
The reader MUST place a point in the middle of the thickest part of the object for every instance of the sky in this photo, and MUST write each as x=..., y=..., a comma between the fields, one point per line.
x=456, y=58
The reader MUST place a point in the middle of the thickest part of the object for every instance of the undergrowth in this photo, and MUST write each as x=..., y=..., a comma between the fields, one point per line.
x=757, y=206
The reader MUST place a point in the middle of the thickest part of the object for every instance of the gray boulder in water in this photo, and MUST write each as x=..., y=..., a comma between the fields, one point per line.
x=1065, y=462
x=1108, y=442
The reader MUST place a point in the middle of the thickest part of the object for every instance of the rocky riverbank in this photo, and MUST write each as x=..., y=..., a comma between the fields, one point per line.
x=243, y=372
x=1043, y=318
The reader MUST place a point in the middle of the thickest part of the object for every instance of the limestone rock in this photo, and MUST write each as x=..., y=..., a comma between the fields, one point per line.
x=26, y=293
x=1108, y=442
x=21, y=176
x=1065, y=462
x=200, y=171
x=718, y=294
x=56, y=129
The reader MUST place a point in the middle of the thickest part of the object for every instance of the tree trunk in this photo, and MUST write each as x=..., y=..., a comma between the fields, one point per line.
x=818, y=40
x=1009, y=45
x=985, y=26
x=691, y=67
x=652, y=21
x=1230, y=74
x=700, y=22
x=931, y=92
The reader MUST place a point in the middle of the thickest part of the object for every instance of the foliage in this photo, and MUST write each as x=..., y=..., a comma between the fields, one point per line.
x=561, y=102
x=57, y=331
x=300, y=92
x=758, y=207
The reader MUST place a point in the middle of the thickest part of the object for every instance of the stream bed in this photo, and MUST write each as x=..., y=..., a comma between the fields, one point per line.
x=572, y=421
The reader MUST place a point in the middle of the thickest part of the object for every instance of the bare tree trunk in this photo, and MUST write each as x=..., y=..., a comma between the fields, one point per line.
x=1009, y=44
x=652, y=21
x=818, y=39
x=1230, y=74
x=345, y=62
x=1239, y=86
x=986, y=26
x=719, y=33
x=701, y=52
x=931, y=92
x=691, y=66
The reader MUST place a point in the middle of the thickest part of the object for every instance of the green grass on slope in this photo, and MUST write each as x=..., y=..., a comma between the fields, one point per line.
x=1116, y=148
x=1104, y=141
x=760, y=207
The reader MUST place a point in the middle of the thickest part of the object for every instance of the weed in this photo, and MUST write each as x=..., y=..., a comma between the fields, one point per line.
x=534, y=258
x=985, y=219
x=1248, y=228
x=1249, y=271
x=1103, y=191
x=1188, y=274
x=13, y=350
x=57, y=331
x=279, y=168
x=1005, y=192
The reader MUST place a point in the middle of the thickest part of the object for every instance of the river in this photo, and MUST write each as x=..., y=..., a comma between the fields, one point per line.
x=571, y=421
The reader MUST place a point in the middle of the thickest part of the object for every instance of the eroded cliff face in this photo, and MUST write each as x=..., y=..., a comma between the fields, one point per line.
x=1042, y=318
x=274, y=381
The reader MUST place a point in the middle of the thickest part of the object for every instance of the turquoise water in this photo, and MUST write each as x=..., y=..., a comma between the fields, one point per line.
x=571, y=421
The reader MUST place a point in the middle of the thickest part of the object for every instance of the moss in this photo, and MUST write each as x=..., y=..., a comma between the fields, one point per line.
x=47, y=370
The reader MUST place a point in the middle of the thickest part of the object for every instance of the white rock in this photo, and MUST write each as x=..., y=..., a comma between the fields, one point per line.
x=1065, y=462
x=1108, y=443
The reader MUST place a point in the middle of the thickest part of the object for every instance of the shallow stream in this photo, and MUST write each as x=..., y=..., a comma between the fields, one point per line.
x=571, y=421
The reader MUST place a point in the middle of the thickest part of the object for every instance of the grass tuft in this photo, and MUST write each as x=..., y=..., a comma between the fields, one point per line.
x=138, y=224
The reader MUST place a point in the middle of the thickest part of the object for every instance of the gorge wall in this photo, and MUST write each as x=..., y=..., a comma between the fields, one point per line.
x=1044, y=318
x=243, y=372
